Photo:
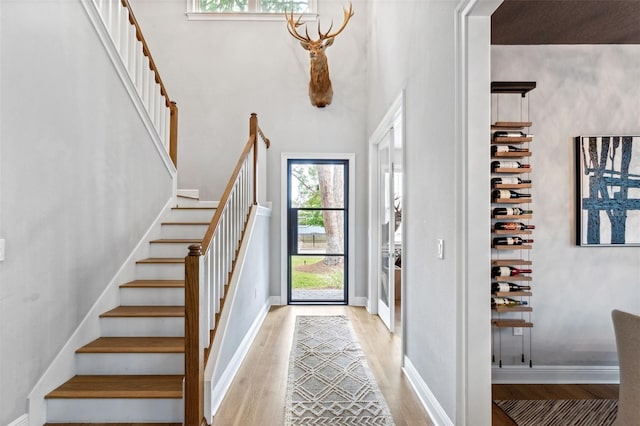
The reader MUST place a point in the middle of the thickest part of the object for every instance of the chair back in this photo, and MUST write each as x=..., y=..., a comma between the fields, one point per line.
x=627, y=331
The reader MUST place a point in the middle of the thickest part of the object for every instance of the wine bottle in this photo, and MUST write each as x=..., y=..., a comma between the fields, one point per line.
x=508, y=287
x=512, y=134
x=510, y=211
x=510, y=241
x=508, y=181
x=508, y=165
x=507, y=148
x=505, y=301
x=499, y=194
x=512, y=226
x=506, y=271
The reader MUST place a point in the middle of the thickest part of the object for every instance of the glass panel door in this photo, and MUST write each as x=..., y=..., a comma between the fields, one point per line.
x=317, y=231
x=386, y=231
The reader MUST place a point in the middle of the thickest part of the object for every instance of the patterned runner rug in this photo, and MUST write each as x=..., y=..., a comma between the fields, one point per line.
x=574, y=412
x=329, y=381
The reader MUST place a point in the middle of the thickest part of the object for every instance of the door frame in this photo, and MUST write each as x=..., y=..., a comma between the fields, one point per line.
x=284, y=194
x=395, y=114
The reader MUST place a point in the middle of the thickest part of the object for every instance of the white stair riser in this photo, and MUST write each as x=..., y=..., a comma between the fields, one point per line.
x=130, y=363
x=183, y=231
x=132, y=296
x=169, y=249
x=155, y=271
x=113, y=410
x=142, y=327
x=190, y=202
x=191, y=215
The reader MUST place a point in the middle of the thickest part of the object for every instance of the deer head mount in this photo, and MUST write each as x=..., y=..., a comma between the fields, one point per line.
x=320, y=91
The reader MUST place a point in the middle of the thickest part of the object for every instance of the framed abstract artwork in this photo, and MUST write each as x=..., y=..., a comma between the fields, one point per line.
x=608, y=190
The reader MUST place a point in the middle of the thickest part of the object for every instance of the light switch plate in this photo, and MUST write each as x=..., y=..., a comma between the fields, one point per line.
x=440, y=249
x=1, y=249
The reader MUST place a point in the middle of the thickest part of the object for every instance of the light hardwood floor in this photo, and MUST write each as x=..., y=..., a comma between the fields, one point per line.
x=257, y=394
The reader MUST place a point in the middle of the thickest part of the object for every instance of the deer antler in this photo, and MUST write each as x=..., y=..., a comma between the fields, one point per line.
x=347, y=16
x=292, y=26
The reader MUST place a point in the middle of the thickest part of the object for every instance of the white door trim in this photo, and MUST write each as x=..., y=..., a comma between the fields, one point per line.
x=395, y=112
x=472, y=118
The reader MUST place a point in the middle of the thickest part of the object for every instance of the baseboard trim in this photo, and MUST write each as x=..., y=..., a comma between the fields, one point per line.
x=276, y=301
x=23, y=420
x=555, y=374
x=64, y=364
x=426, y=397
x=220, y=389
x=359, y=301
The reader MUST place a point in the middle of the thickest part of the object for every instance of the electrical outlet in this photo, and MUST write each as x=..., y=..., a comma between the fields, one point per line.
x=517, y=331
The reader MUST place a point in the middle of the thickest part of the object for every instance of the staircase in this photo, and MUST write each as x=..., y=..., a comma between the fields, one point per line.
x=134, y=372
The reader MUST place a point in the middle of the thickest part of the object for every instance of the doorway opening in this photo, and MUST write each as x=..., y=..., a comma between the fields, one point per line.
x=385, y=218
x=317, y=231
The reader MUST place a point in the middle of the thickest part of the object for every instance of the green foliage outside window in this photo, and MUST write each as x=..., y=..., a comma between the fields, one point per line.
x=265, y=6
x=308, y=194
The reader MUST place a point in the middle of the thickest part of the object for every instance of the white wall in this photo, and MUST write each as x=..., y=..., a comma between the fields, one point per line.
x=581, y=90
x=80, y=182
x=412, y=47
x=220, y=71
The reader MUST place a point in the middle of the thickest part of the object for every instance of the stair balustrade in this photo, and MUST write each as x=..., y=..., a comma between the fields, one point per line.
x=209, y=267
x=126, y=36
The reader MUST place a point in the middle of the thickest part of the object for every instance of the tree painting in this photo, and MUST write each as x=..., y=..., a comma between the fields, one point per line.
x=610, y=190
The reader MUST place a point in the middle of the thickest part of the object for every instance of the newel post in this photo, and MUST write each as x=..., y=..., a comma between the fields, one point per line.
x=253, y=131
x=173, y=133
x=193, y=356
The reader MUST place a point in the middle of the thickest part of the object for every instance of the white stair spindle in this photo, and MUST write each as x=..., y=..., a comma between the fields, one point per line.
x=144, y=83
x=131, y=49
x=153, y=100
x=123, y=32
x=159, y=109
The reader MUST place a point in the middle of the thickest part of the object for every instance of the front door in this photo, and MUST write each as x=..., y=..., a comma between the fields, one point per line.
x=317, y=230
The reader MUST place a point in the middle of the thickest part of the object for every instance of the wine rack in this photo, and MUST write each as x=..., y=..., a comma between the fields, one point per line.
x=507, y=320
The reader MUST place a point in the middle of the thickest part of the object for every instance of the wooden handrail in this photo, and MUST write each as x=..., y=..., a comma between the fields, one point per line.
x=206, y=241
x=147, y=52
x=173, y=132
x=224, y=234
x=251, y=143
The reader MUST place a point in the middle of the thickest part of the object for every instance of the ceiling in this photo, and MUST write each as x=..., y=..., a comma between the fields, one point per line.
x=566, y=22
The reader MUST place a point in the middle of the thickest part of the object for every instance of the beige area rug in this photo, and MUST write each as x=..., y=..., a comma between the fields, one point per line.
x=573, y=412
x=329, y=380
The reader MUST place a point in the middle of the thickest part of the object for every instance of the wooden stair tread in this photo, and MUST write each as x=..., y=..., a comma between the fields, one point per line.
x=120, y=386
x=185, y=223
x=193, y=208
x=154, y=284
x=134, y=345
x=176, y=240
x=145, y=311
x=164, y=260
